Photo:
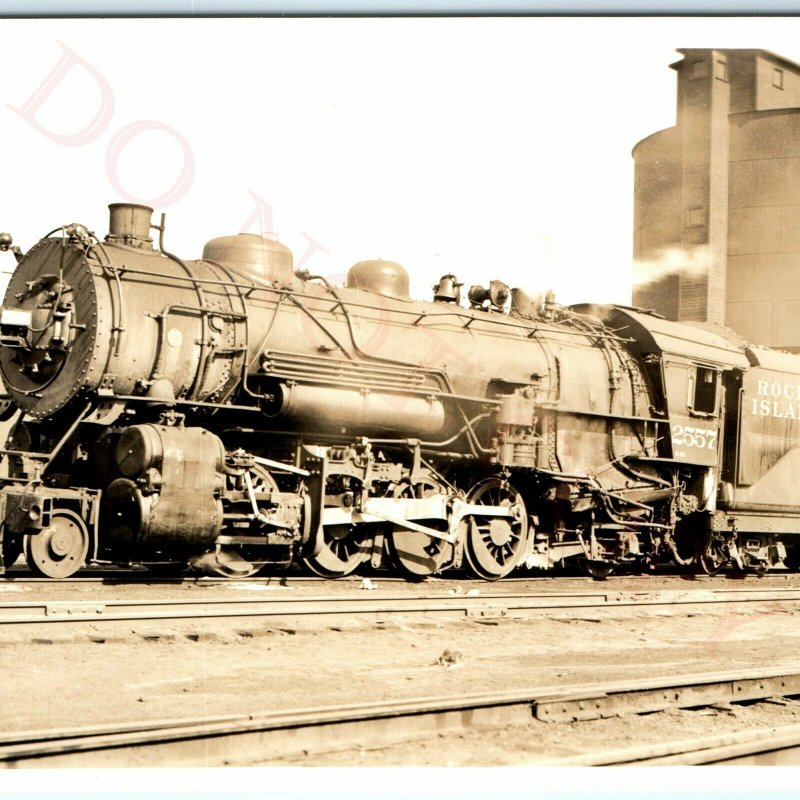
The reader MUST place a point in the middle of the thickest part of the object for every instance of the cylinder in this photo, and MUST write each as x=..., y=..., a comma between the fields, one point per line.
x=376, y=410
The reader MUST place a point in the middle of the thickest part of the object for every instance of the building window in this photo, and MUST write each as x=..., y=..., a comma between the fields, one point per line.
x=697, y=70
x=777, y=78
x=695, y=216
x=721, y=71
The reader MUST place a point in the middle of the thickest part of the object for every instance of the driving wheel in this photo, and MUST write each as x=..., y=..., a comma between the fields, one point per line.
x=345, y=546
x=495, y=545
x=416, y=553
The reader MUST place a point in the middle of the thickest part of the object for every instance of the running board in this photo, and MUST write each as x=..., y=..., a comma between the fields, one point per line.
x=402, y=512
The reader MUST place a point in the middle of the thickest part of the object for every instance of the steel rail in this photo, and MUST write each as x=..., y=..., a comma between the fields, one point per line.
x=760, y=746
x=281, y=735
x=135, y=576
x=478, y=605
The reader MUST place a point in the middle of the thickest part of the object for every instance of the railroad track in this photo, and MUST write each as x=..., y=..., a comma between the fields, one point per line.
x=145, y=576
x=281, y=736
x=484, y=605
x=759, y=747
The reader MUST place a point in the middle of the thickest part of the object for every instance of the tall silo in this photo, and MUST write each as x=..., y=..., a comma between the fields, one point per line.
x=717, y=198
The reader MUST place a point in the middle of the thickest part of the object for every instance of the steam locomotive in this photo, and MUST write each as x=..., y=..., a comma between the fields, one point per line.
x=235, y=414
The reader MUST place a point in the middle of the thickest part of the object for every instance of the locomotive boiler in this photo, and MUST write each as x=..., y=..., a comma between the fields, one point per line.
x=232, y=413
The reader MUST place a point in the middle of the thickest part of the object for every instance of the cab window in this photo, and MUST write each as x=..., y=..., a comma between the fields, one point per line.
x=703, y=390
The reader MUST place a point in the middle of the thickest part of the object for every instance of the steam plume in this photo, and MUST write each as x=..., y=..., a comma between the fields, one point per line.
x=690, y=262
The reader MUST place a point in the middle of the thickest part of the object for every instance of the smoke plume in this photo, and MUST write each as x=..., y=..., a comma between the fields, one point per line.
x=690, y=262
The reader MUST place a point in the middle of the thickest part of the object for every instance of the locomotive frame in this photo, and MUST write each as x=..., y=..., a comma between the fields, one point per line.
x=233, y=414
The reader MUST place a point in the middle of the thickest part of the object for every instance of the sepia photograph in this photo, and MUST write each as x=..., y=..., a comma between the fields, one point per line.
x=399, y=392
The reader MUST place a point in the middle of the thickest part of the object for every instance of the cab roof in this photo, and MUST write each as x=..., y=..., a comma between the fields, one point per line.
x=702, y=342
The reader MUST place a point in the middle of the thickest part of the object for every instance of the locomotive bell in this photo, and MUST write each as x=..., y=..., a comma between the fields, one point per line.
x=253, y=256
x=448, y=290
x=381, y=277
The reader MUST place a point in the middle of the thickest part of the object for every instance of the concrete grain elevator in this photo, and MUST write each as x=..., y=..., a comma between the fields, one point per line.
x=717, y=198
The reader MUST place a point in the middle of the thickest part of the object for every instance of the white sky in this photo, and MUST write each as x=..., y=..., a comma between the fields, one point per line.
x=491, y=148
